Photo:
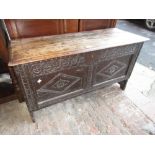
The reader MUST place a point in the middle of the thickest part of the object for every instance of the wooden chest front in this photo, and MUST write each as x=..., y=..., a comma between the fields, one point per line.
x=80, y=63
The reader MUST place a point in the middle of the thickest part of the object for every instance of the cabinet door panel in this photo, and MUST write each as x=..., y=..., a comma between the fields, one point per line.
x=22, y=28
x=94, y=24
x=70, y=25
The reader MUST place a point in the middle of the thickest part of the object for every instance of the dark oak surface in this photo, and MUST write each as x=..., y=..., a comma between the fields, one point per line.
x=42, y=48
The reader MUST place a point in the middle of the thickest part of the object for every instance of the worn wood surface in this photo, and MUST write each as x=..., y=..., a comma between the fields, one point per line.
x=41, y=48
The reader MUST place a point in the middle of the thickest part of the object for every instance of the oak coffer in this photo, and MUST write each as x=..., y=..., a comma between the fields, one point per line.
x=51, y=69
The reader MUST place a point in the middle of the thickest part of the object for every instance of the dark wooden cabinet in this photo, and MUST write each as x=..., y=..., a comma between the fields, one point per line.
x=23, y=28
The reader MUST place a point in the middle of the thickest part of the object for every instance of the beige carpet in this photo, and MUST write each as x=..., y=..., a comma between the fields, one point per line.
x=106, y=111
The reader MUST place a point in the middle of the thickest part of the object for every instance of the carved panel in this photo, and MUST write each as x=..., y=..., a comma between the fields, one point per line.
x=26, y=87
x=59, y=83
x=112, y=68
x=116, y=52
x=49, y=66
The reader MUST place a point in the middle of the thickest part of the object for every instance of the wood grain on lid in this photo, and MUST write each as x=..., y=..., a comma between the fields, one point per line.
x=41, y=48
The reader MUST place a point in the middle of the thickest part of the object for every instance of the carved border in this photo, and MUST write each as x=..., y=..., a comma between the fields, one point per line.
x=26, y=87
x=116, y=52
x=46, y=67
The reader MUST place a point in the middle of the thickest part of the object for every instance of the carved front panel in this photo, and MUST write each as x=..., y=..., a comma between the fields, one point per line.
x=60, y=83
x=108, y=70
x=49, y=81
x=115, y=52
x=112, y=63
x=55, y=78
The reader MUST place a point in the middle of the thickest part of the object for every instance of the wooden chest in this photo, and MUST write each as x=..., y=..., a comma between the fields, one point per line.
x=55, y=68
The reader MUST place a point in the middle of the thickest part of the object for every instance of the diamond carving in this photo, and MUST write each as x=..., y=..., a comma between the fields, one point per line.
x=60, y=83
x=112, y=68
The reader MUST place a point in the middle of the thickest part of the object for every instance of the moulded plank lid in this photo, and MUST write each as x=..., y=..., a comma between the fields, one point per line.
x=42, y=48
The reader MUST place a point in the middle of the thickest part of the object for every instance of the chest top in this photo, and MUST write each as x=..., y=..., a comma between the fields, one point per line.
x=42, y=48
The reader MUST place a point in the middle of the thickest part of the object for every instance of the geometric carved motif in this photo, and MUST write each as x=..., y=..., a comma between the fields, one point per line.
x=116, y=52
x=46, y=67
x=61, y=82
x=112, y=68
